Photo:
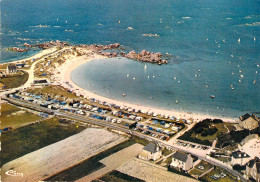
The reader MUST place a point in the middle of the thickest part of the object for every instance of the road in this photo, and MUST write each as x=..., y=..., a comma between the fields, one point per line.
x=200, y=155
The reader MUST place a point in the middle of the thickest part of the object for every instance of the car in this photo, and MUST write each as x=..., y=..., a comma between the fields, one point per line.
x=201, y=167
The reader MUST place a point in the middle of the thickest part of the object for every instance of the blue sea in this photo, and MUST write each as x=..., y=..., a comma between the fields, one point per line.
x=214, y=46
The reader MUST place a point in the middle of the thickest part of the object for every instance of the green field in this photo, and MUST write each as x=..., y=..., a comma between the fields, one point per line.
x=206, y=166
x=16, y=80
x=196, y=172
x=12, y=116
x=90, y=165
x=227, y=178
x=116, y=176
x=206, y=132
x=33, y=137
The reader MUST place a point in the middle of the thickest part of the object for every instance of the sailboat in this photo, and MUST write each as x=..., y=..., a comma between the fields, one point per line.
x=145, y=67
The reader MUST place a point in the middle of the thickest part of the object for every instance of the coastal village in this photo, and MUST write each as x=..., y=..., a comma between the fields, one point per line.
x=76, y=135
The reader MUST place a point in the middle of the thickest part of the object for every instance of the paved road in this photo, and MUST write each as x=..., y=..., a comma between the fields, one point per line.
x=201, y=155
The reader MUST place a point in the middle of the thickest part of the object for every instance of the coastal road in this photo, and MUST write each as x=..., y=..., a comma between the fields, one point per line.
x=200, y=155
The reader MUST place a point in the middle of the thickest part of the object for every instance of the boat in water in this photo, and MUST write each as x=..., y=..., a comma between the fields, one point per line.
x=123, y=95
x=212, y=96
x=145, y=67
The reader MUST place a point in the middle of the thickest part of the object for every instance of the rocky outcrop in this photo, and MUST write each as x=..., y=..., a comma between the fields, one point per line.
x=146, y=56
x=17, y=49
x=109, y=54
x=97, y=47
x=50, y=44
x=27, y=45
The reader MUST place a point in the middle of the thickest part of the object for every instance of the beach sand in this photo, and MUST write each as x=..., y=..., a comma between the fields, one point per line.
x=65, y=77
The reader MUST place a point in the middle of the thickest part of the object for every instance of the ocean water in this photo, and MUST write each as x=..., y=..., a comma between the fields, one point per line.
x=201, y=35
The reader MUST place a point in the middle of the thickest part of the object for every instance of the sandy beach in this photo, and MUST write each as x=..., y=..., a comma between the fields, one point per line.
x=64, y=79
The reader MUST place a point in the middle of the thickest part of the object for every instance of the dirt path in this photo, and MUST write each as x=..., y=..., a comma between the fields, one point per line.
x=59, y=156
x=114, y=161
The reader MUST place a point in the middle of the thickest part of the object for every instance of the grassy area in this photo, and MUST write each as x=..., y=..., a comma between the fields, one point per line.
x=141, y=141
x=219, y=126
x=16, y=80
x=166, y=152
x=205, y=164
x=206, y=132
x=230, y=126
x=33, y=137
x=227, y=178
x=119, y=177
x=12, y=116
x=90, y=165
x=196, y=172
x=224, y=159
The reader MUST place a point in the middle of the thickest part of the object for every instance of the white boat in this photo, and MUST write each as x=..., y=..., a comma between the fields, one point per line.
x=145, y=67
x=174, y=78
x=254, y=39
x=177, y=101
x=254, y=81
x=238, y=40
x=133, y=78
x=66, y=21
x=212, y=96
x=57, y=19
x=123, y=95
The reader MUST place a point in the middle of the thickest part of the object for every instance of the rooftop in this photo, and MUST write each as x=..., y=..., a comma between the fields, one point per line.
x=152, y=147
x=246, y=116
x=180, y=156
x=239, y=154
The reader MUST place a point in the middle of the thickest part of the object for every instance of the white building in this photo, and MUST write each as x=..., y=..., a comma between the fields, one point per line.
x=11, y=69
x=152, y=151
x=182, y=161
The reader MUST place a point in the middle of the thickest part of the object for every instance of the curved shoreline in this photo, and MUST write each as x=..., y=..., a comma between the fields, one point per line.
x=66, y=81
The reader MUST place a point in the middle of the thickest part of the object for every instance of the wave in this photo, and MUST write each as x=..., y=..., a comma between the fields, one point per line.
x=69, y=30
x=151, y=35
x=251, y=16
x=41, y=26
x=57, y=26
x=24, y=39
x=228, y=18
x=251, y=24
